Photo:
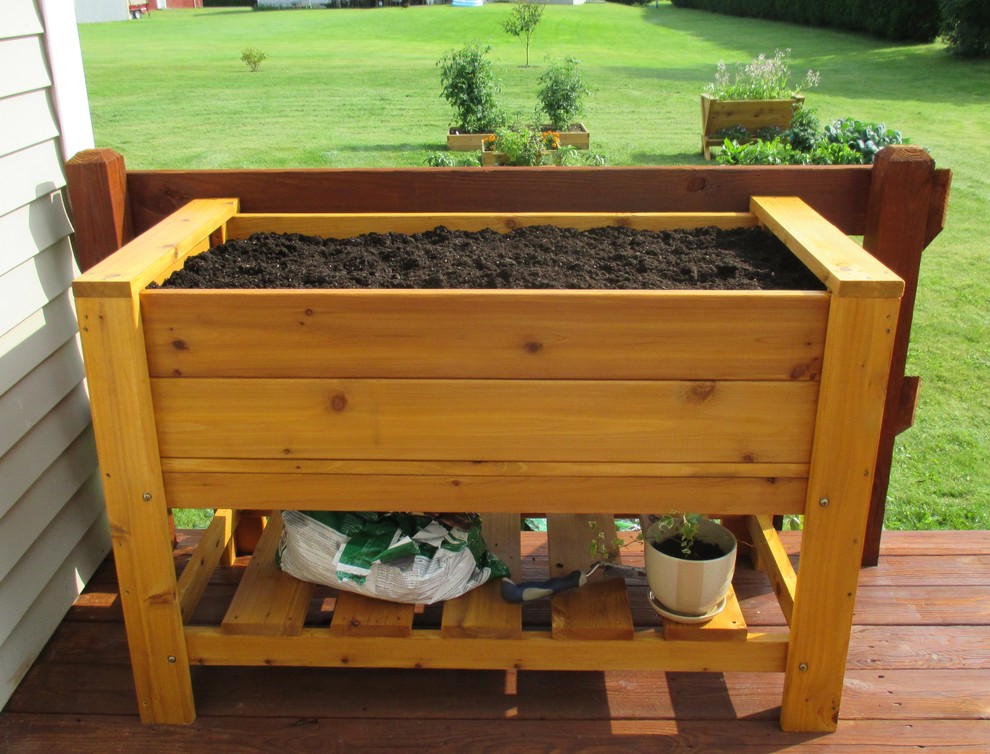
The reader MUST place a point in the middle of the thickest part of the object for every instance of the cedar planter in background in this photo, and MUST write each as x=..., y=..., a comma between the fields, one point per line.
x=577, y=136
x=447, y=400
x=717, y=115
x=465, y=142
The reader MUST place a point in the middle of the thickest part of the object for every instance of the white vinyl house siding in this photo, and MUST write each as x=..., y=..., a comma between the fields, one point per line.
x=53, y=530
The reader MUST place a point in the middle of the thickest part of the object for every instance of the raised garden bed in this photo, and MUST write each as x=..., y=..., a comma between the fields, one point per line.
x=577, y=136
x=741, y=404
x=718, y=115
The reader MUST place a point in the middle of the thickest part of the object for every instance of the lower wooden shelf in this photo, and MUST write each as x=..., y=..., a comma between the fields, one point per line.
x=604, y=625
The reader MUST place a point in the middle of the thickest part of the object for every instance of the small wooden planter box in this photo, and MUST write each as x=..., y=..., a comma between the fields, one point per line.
x=578, y=137
x=717, y=115
x=570, y=403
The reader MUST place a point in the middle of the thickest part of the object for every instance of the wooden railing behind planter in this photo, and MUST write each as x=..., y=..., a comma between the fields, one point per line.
x=898, y=205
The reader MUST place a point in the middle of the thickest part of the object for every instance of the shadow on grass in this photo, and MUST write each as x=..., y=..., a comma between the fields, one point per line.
x=666, y=158
x=851, y=63
x=367, y=148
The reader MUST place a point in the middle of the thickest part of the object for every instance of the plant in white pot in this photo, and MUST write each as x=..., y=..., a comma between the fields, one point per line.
x=690, y=561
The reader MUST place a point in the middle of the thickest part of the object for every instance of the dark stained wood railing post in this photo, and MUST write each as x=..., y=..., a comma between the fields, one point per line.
x=97, y=183
x=902, y=218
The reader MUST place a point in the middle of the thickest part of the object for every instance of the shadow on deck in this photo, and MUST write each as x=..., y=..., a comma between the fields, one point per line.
x=918, y=675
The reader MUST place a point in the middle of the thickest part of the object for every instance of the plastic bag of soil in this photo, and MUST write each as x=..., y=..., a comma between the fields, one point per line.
x=398, y=557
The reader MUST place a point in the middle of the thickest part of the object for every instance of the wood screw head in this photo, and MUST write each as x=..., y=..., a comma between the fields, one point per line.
x=171, y=659
x=823, y=502
x=803, y=667
x=146, y=497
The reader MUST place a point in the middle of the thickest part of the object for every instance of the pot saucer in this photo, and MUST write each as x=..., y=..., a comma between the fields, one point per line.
x=673, y=615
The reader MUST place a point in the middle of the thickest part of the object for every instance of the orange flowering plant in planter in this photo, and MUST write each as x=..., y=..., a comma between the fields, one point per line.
x=520, y=145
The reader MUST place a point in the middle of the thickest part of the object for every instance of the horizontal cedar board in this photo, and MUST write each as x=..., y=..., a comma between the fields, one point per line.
x=494, y=334
x=535, y=651
x=483, y=468
x=577, y=494
x=840, y=194
x=534, y=420
x=347, y=225
x=750, y=114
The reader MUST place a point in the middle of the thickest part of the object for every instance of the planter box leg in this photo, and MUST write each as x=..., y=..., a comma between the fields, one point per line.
x=123, y=419
x=850, y=411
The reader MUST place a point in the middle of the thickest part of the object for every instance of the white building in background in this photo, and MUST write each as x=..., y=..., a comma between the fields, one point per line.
x=93, y=11
x=53, y=528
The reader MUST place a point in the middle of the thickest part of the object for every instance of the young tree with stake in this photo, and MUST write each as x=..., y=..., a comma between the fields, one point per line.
x=524, y=19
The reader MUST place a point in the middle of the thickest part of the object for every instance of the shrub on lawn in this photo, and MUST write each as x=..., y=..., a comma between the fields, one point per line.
x=561, y=90
x=966, y=26
x=468, y=83
x=253, y=57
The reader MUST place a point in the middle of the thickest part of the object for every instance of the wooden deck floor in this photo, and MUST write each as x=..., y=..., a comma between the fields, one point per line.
x=918, y=676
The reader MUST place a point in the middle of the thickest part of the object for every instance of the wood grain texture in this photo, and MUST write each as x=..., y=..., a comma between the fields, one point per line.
x=560, y=494
x=97, y=185
x=538, y=420
x=204, y=560
x=773, y=559
x=153, y=255
x=123, y=421
x=346, y=225
x=838, y=194
x=358, y=615
x=600, y=608
x=840, y=263
x=854, y=381
x=903, y=194
x=268, y=601
x=482, y=612
x=486, y=334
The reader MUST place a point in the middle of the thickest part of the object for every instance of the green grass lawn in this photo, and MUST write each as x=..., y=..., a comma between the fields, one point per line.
x=343, y=88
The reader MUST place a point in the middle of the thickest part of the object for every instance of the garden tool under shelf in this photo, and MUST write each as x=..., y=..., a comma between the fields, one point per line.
x=528, y=591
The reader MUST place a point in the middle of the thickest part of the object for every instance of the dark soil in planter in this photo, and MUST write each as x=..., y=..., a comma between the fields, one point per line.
x=538, y=257
x=699, y=550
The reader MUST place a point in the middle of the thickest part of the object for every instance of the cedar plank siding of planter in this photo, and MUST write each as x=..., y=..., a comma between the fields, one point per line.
x=717, y=115
x=579, y=138
x=761, y=403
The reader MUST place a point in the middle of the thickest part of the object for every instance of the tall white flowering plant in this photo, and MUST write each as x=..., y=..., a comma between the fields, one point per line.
x=761, y=78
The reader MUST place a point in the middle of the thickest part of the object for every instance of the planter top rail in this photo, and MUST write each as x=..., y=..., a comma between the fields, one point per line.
x=898, y=205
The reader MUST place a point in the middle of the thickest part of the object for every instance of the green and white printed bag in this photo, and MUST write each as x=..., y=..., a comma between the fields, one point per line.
x=398, y=557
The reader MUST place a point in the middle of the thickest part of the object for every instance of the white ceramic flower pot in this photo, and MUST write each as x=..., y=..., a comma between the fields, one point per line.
x=691, y=589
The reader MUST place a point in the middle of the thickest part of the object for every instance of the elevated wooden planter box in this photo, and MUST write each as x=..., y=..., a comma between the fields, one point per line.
x=569, y=403
x=577, y=137
x=717, y=115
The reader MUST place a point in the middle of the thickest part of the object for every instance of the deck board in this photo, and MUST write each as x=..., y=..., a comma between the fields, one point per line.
x=918, y=675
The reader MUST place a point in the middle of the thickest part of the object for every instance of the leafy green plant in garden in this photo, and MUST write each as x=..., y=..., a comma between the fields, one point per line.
x=522, y=145
x=451, y=159
x=572, y=156
x=253, y=57
x=468, y=83
x=806, y=130
x=561, y=89
x=779, y=152
x=523, y=21
x=761, y=78
x=773, y=152
x=863, y=136
x=845, y=141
